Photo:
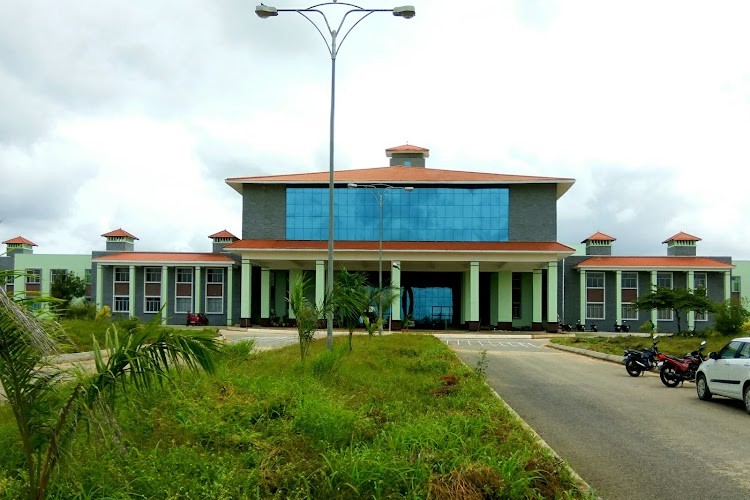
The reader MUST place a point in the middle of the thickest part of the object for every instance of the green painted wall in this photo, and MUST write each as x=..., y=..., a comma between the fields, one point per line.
x=73, y=263
x=742, y=269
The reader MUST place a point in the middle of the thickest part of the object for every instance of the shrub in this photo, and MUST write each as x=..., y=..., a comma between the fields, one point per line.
x=730, y=316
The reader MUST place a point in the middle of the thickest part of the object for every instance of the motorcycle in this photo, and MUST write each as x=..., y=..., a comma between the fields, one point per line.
x=675, y=370
x=636, y=362
x=565, y=327
x=624, y=327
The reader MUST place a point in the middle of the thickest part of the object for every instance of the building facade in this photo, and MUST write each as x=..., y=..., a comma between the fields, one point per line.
x=463, y=250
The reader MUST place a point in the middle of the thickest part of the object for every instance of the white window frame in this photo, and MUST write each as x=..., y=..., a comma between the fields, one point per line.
x=665, y=314
x=118, y=276
x=53, y=274
x=595, y=307
x=181, y=273
x=628, y=311
x=150, y=300
x=33, y=276
x=211, y=273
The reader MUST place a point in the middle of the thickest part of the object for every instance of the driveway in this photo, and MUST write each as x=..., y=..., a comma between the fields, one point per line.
x=627, y=437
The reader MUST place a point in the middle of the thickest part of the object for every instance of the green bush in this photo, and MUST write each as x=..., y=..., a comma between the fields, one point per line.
x=729, y=317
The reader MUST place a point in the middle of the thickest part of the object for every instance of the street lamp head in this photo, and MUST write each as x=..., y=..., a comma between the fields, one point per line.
x=351, y=185
x=265, y=11
x=405, y=11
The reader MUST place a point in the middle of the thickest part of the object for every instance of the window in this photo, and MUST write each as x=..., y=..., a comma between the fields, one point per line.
x=33, y=276
x=700, y=280
x=664, y=280
x=87, y=276
x=183, y=300
x=56, y=274
x=629, y=296
x=594, y=295
x=121, y=290
x=736, y=284
x=730, y=350
x=152, y=290
x=214, y=291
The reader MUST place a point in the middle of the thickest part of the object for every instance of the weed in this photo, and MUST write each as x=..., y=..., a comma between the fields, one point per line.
x=481, y=367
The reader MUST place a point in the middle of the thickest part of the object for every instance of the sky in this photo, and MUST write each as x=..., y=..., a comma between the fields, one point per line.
x=133, y=113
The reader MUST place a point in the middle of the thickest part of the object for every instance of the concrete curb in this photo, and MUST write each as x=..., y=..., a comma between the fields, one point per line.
x=588, y=352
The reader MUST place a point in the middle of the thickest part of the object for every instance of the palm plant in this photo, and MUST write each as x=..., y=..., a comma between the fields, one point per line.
x=307, y=314
x=33, y=386
x=350, y=299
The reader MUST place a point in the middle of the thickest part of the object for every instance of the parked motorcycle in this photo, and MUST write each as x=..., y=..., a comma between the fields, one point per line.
x=624, y=327
x=565, y=327
x=675, y=370
x=636, y=362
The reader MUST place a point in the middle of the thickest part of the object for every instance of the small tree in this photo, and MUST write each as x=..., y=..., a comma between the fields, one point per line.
x=679, y=300
x=66, y=287
x=729, y=316
x=350, y=299
x=46, y=424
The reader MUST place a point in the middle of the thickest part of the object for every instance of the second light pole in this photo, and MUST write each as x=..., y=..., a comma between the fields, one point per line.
x=378, y=190
x=266, y=11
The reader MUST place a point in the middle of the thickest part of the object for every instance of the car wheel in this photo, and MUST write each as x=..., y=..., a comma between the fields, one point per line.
x=747, y=398
x=632, y=368
x=701, y=385
x=668, y=376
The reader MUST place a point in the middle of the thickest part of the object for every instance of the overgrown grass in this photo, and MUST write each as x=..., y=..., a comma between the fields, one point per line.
x=399, y=417
x=676, y=346
x=81, y=331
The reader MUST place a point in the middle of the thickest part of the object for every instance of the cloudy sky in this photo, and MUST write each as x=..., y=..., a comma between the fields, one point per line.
x=132, y=113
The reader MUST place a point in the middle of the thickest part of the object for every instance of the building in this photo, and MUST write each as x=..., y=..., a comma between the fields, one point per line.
x=600, y=288
x=464, y=250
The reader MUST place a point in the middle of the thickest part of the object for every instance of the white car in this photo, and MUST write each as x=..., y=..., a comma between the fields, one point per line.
x=726, y=373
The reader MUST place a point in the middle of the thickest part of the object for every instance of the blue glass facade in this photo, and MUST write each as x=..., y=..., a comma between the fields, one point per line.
x=424, y=214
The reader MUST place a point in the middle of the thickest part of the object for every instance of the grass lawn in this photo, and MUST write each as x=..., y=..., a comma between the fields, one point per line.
x=399, y=417
x=676, y=346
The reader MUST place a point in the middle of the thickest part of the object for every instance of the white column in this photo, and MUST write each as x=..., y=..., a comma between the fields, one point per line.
x=582, y=292
x=164, y=295
x=245, y=289
x=654, y=312
x=727, y=285
x=198, y=290
x=320, y=282
x=396, y=285
x=474, y=292
x=536, y=311
x=230, y=295
x=618, y=297
x=265, y=293
x=691, y=286
x=99, y=286
x=552, y=293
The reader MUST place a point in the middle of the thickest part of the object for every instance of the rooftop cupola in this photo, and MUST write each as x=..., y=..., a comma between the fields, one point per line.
x=599, y=244
x=407, y=155
x=221, y=239
x=19, y=244
x=120, y=240
x=681, y=245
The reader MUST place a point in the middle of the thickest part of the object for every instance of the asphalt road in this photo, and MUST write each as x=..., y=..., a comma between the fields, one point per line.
x=627, y=437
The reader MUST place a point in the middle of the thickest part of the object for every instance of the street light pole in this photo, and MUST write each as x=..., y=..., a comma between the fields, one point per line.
x=266, y=11
x=379, y=190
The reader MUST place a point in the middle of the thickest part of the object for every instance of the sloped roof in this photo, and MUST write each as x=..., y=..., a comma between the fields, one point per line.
x=165, y=257
x=407, y=148
x=598, y=236
x=400, y=175
x=119, y=232
x=653, y=263
x=446, y=246
x=682, y=237
x=223, y=234
x=19, y=240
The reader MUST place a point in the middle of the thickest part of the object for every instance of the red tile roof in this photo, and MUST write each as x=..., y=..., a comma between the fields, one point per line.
x=19, y=240
x=119, y=232
x=407, y=148
x=164, y=257
x=223, y=234
x=599, y=237
x=446, y=246
x=607, y=262
x=682, y=237
x=400, y=175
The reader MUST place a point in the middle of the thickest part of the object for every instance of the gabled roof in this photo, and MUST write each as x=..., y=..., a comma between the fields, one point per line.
x=682, y=237
x=223, y=234
x=400, y=175
x=407, y=148
x=164, y=258
x=653, y=263
x=599, y=237
x=119, y=232
x=19, y=240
